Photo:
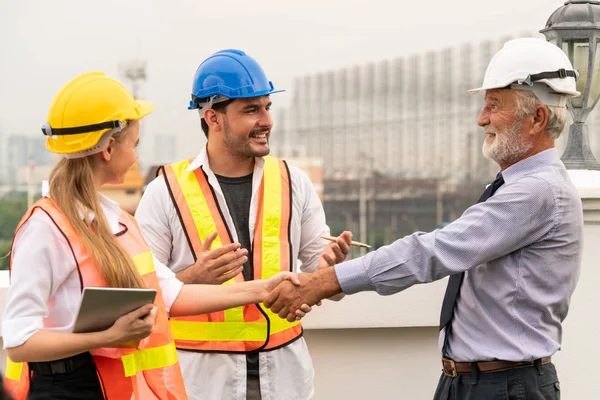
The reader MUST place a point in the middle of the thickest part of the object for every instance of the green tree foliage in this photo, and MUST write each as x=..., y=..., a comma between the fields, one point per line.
x=4, y=256
x=12, y=209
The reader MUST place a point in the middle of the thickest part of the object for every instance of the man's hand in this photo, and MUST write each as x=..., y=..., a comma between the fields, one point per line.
x=335, y=252
x=215, y=266
x=287, y=298
x=274, y=281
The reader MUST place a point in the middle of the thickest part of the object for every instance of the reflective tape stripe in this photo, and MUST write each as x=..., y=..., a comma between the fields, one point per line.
x=279, y=324
x=13, y=370
x=228, y=331
x=271, y=221
x=198, y=206
x=219, y=331
x=147, y=359
x=144, y=263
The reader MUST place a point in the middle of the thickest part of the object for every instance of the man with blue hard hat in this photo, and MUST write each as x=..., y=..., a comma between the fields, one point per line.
x=233, y=214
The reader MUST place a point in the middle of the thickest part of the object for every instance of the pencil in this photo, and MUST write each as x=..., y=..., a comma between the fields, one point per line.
x=353, y=243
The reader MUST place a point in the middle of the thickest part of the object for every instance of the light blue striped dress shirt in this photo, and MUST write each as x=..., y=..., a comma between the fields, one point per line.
x=521, y=250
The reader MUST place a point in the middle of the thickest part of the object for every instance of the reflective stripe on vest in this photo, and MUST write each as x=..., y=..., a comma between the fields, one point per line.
x=143, y=360
x=16, y=379
x=248, y=328
x=13, y=369
x=150, y=367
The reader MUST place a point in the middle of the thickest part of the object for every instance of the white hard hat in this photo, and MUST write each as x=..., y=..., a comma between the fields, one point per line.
x=532, y=64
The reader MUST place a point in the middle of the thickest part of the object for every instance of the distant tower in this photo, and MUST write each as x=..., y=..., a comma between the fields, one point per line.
x=135, y=72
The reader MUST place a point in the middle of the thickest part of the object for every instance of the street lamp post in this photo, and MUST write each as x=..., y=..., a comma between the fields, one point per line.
x=367, y=172
x=575, y=28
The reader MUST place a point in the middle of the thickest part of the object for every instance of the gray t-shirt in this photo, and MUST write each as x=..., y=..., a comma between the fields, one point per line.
x=238, y=193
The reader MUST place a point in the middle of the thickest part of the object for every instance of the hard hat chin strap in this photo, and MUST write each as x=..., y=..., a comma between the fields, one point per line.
x=208, y=102
x=100, y=146
x=49, y=131
x=543, y=92
x=112, y=126
x=561, y=74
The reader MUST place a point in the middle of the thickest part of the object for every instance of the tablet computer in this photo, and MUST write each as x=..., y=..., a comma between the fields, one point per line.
x=100, y=307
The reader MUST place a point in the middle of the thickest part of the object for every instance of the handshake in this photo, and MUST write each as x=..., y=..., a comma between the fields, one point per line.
x=291, y=295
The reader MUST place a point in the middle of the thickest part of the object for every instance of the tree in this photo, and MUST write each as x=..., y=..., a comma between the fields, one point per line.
x=12, y=209
x=4, y=255
x=11, y=212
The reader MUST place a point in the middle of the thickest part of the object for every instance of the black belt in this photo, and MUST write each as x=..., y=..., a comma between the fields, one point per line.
x=453, y=368
x=62, y=366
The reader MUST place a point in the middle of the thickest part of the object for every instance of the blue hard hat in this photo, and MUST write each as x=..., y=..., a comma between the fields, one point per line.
x=231, y=74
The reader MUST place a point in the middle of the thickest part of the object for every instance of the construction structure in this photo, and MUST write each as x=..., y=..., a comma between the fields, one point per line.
x=128, y=193
x=398, y=139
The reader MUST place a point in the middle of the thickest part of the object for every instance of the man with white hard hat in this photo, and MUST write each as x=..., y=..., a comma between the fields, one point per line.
x=513, y=258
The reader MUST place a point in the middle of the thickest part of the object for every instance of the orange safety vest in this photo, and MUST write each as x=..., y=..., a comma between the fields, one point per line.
x=252, y=327
x=150, y=371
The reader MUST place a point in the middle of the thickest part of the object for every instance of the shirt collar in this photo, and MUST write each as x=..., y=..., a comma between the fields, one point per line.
x=530, y=164
x=201, y=160
x=111, y=211
x=198, y=161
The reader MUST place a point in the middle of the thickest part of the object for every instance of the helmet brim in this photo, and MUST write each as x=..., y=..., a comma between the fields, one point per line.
x=480, y=90
x=258, y=94
x=145, y=107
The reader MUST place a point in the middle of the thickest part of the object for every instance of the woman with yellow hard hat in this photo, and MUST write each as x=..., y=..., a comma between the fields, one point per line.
x=74, y=238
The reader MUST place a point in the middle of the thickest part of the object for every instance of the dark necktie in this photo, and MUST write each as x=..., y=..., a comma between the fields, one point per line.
x=455, y=280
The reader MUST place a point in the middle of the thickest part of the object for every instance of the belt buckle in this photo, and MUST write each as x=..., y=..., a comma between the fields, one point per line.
x=58, y=367
x=453, y=373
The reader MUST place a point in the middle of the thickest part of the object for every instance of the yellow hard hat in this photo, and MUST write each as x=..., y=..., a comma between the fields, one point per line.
x=88, y=109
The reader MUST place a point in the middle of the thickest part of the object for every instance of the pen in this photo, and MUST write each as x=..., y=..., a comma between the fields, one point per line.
x=353, y=243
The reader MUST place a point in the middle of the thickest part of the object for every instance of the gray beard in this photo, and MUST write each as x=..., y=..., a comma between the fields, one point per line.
x=508, y=146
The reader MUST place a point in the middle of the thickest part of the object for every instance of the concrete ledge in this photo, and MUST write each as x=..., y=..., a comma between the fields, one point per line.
x=415, y=307
x=418, y=306
x=587, y=183
x=591, y=211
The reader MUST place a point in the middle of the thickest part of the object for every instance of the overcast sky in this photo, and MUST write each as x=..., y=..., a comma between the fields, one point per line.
x=44, y=43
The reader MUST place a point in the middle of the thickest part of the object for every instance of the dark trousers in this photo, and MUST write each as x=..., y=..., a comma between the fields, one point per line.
x=81, y=384
x=539, y=382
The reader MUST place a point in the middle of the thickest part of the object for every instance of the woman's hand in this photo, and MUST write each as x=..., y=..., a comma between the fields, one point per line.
x=276, y=279
x=304, y=309
x=46, y=345
x=134, y=326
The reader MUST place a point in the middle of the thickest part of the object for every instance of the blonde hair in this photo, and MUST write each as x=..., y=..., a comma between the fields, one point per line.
x=73, y=190
x=557, y=116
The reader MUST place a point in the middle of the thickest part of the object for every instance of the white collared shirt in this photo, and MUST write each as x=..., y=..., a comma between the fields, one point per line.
x=285, y=373
x=45, y=290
